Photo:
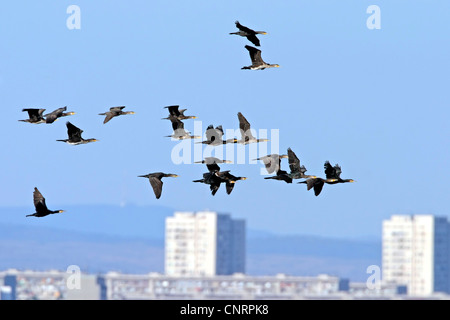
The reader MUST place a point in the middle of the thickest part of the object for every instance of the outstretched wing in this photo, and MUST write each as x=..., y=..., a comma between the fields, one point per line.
x=255, y=55
x=253, y=39
x=294, y=162
x=213, y=167
x=157, y=186
x=337, y=169
x=219, y=131
x=244, y=126
x=109, y=116
x=318, y=185
x=272, y=163
x=177, y=124
x=173, y=110
x=332, y=172
x=244, y=28
x=229, y=187
x=303, y=169
x=34, y=114
x=39, y=201
x=214, y=187
x=73, y=132
x=116, y=109
x=214, y=134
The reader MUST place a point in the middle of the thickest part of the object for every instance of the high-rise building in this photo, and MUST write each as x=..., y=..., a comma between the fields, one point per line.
x=416, y=253
x=204, y=244
x=8, y=287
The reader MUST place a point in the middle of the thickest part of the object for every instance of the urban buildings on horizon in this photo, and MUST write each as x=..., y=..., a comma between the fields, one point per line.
x=205, y=259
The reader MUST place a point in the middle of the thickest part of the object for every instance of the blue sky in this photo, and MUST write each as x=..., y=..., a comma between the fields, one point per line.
x=374, y=101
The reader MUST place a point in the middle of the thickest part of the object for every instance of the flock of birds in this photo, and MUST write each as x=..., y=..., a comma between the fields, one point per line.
x=214, y=137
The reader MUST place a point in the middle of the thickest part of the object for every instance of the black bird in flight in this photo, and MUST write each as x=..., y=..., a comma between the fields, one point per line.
x=114, y=112
x=58, y=113
x=212, y=179
x=257, y=62
x=41, y=207
x=215, y=177
x=272, y=162
x=230, y=180
x=335, y=173
x=155, y=179
x=248, y=33
x=212, y=176
x=214, y=136
x=280, y=174
x=34, y=115
x=246, y=134
x=333, y=176
x=317, y=183
x=297, y=170
x=74, y=134
x=179, y=133
x=176, y=113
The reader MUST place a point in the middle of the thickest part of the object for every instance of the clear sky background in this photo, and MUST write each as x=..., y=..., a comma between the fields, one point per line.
x=374, y=101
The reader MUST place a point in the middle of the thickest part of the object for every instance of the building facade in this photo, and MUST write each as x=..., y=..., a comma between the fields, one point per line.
x=204, y=244
x=53, y=285
x=416, y=253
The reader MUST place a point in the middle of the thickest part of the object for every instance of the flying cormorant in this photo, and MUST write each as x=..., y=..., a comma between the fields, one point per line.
x=175, y=113
x=179, y=133
x=297, y=170
x=34, y=115
x=41, y=207
x=58, y=113
x=257, y=62
x=156, y=181
x=248, y=33
x=114, y=112
x=74, y=134
x=246, y=134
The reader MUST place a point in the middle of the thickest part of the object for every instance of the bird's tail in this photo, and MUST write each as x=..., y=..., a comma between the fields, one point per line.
x=30, y=215
x=197, y=180
x=245, y=68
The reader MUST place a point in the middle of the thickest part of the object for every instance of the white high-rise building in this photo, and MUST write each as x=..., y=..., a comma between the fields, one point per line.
x=204, y=244
x=416, y=253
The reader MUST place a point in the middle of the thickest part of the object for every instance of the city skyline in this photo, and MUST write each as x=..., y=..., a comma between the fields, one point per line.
x=357, y=89
x=415, y=265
